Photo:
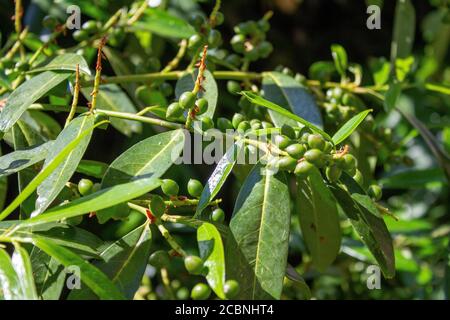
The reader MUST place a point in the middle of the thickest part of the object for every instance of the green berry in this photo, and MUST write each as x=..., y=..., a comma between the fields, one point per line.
x=264, y=49
x=223, y=124
x=231, y=289
x=333, y=173
x=90, y=26
x=218, y=215
x=296, y=151
x=314, y=156
x=288, y=131
x=197, y=20
x=282, y=141
x=219, y=18
x=300, y=78
x=187, y=100
x=214, y=38
x=159, y=259
x=328, y=147
x=238, y=43
x=264, y=25
x=234, y=60
x=194, y=41
x=193, y=264
x=252, y=54
x=233, y=87
x=315, y=141
x=207, y=123
x=374, y=192
x=166, y=89
x=266, y=125
x=85, y=186
x=170, y=187
x=174, y=111
x=349, y=162
x=237, y=119
x=287, y=163
x=256, y=125
x=80, y=35
x=22, y=66
x=303, y=169
x=304, y=137
x=200, y=292
x=243, y=127
x=202, y=105
x=195, y=188
x=358, y=177
x=182, y=293
x=157, y=206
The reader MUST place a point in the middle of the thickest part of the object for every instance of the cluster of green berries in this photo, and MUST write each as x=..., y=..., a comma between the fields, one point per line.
x=88, y=28
x=206, y=34
x=241, y=124
x=300, y=78
x=188, y=100
x=250, y=39
x=340, y=105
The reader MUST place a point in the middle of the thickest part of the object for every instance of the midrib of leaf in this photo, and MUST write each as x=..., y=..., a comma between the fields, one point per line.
x=280, y=85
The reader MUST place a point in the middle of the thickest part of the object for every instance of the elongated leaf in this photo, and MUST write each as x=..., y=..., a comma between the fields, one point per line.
x=90, y=275
x=111, y=97
x=217, y=179
x=318, y=214
x=22, y=265
x=299, y=282
x=347, y=129
x=164, y=24
x=404, y=30
x=67, y=62
x=96, y=201
x=414, y=179
x=366, y=220
x=43, y=174
x=211, y=93
x=92, y=168
x=258, y=242
x=3, y=187
x=9, y=282
x=49, y=189
x=26, y=94
x=340, y=58
x=123, y=262
x=49, y=275
x=211, y=251
x=284, y=91
x=272, y=106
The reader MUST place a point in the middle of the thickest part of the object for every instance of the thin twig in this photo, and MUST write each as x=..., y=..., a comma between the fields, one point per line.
x=76, y=91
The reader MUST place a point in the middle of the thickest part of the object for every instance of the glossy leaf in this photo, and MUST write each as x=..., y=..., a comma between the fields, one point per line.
x=272, y=106
x=212, y=252
x=347, y=129
x=96, y=280
x=65, y=62
x=9, y=281
x=211, y=94
x=22, y=265
x=49, y=189
x=257, y=245
x=124, y=262
x=340, y=58
x=319, y=221
x=49, y=275
x=3, y=187
x=111, y=97
x=287, y=93
x=404, y=30
x=92, y=168
x=26, y=94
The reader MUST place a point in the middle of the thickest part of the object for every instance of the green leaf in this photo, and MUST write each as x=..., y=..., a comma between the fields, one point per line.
x=217, y=179
x=22, y=265
x=211, y=251
x=66, y=62
x=164, y=24
x=340, y=58
x=381, y=69
x=347, y=129
x=45, y=172
x=3, y=186
x=111, y=97
x=92, y=168
x=272, y=106
x=299, y=282
x=96, y=201
x=90, y=275
x=287, y=93
x=392, y=94
x=211, y=94
x=257, y=245
x=414, y=179
x=49, y=127
x=438, y=88
x=26, y=94
x=319, y=221
x=368, y=223
x=403, y=67
x=123, y=262
x=49, y=189
x=322, y=70
x=9, y=281
x=404, y=30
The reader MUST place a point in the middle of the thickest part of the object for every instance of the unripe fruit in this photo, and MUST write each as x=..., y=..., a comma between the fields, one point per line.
x=374, y=192
x=170, y=187
x=193, y=264
x=207, y=123
x=358, y=177
x=296, y=151
x=166, y=89
x=218, y=215
x=333, y=173
x=328, y=147
x=80, y=35
x=243, y=127
x=266, y=125
x=183, y=293
x=174, y=111
x=202, y=105
x=187, y=100
x=287, y=163
x=159, y=259
x=349, y=162
x=282, y=141
x=219, y=18
x=200, y=292
x=264, y=25
x=234, y=60
x=194, y=41
x=264, y=49
x=314, y=156
x=233, y=87
x=223, y=124
x=90, y=26
x=195, y=188
x=231, y=289
x=288, y=131
x=315, y=141
x=85, y=186
x=303, y=169
x=237, y=119
x=304, y=137
x=197, y=20
x=157, y=206
x=214, y=38
x=238, y=43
